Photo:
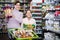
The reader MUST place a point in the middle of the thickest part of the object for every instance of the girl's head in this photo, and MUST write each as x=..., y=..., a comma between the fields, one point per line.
x=28, y=14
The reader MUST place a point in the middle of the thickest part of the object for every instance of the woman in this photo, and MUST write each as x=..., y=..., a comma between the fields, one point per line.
x=16, y=19
x=28, y=21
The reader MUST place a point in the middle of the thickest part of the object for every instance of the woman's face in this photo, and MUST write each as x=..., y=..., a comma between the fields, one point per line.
x=17, y=6
x=28, y=14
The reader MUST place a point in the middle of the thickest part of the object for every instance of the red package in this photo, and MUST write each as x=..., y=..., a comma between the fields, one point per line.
x=57, y=13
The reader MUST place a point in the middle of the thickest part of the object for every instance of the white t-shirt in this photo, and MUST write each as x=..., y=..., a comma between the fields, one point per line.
x=31, y=21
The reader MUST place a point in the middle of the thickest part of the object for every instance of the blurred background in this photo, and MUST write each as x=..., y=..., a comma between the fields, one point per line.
x=45, y=12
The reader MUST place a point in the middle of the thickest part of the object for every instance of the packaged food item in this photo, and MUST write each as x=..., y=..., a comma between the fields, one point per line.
x=49, y=36
x=57, y=13
x=49, y=16
x=56, y=25
x=23, y=34
x=37, y=1
x=29, y=26
x=8, y=12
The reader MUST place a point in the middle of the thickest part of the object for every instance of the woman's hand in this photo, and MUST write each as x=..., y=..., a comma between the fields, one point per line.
x=8, y=12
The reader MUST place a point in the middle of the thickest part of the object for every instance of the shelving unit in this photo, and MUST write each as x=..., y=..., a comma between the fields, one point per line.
x=50, y=7
x=56, y=6
x=36, y=8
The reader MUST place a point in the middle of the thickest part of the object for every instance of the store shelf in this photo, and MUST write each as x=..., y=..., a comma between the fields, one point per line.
x=37, y=17
x=13, y=2
x=49, y=30
x=36, y=10
x=53, y=10
x=38, y=24
x=39, y=32
x=37, y=13
x=36, y=6
x=57, y=19
x=25, y=2
x=6, y=2
x=39, y=20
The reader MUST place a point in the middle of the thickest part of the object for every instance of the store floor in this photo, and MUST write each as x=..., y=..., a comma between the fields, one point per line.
x=3, y=36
